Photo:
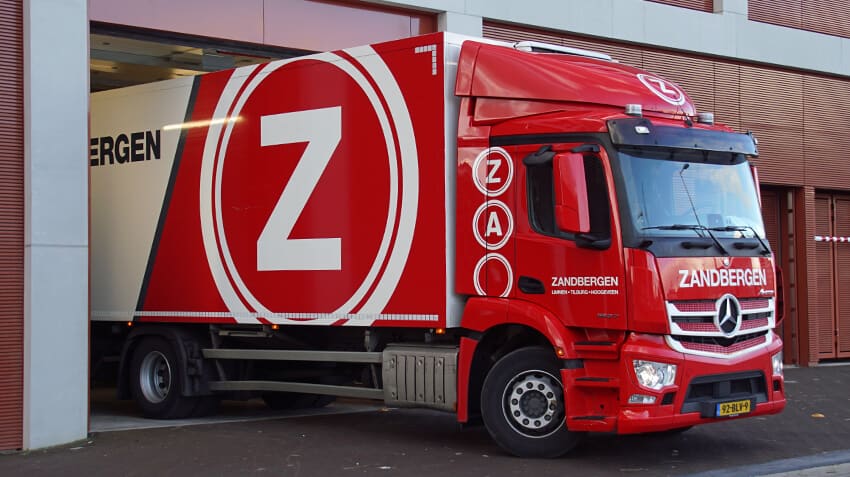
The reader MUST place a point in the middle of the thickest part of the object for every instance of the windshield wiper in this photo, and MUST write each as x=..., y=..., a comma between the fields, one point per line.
x=676, y=227
x=744, y=228
x=694, y=210
x=695, y=227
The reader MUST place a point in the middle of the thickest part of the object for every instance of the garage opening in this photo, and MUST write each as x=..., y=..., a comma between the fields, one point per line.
x=123, y=57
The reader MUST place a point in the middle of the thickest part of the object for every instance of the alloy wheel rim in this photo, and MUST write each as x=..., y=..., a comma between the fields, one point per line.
x=155, y=377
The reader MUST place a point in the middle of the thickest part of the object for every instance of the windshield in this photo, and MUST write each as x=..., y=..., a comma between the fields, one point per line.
x=679, y=193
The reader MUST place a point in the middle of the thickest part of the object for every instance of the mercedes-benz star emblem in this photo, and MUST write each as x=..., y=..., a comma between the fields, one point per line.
x=728, y=318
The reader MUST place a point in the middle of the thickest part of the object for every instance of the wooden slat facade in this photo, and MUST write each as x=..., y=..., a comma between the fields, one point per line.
x=830, y=17
x=11, y=224
x=841, y=226
x=822, y=308
x=774, y=212
x=770, y=212
x=826, y=124
x=771, y=106
x=787, y=13
x=832, y=309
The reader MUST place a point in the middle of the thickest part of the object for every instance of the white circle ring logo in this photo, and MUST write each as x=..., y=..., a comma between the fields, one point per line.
x=507, y=234
x=476, y=177
x=663, y=89
x=391, y=262
x=480, y=265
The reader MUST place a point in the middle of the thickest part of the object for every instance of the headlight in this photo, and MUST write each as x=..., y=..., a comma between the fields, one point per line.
x=777, y=364
x=655, y=376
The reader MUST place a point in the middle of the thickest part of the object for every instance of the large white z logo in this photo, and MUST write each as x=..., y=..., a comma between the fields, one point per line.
x=321, y=130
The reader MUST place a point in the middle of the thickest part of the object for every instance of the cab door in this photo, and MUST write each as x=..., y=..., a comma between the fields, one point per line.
x=577, y=274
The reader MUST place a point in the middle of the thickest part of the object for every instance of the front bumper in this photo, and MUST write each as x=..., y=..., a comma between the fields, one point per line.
x=701, y=383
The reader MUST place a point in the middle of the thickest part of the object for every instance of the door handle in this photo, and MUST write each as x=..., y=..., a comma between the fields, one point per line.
x=531, y=286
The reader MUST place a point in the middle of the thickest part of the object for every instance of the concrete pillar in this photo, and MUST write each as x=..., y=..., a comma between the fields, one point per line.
x=56, y=89
x=471, y=25
x=734, y=7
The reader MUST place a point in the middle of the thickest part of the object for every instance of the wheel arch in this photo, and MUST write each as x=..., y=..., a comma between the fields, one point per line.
x=187, y=344
x=498, y=327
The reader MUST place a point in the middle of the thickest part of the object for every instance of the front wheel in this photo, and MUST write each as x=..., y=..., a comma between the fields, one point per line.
x=522, y=404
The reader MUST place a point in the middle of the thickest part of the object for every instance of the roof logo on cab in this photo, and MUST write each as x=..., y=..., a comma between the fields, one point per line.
x=662, y=88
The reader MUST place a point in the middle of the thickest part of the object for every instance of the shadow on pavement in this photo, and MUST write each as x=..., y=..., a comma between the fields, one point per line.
x=411, y=442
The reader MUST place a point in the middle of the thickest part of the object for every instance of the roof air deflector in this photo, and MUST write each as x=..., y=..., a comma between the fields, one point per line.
x=539, y=47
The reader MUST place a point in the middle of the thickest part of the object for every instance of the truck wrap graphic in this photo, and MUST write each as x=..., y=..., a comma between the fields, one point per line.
x=311, y=246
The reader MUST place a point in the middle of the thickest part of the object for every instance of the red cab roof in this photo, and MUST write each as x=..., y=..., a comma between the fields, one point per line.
x=487, y=70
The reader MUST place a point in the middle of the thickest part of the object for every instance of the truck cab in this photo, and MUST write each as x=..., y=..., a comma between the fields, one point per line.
x=625, y=226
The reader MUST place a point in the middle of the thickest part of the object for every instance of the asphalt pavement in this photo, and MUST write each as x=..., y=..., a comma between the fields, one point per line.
x=810, y=438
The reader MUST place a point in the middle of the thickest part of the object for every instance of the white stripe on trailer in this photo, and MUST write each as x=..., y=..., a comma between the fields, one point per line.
x=277, y=318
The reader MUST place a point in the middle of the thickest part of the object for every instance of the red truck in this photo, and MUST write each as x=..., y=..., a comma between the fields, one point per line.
x=528, y=235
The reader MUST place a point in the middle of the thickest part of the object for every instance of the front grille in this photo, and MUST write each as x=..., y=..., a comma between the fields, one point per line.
x=708, y=306
x=705, y=323
x=696, y=306
x=698, y=327
x=693, y=327
x=754, y=322
x=722, y=345
x=754, y=303
x=704, y=391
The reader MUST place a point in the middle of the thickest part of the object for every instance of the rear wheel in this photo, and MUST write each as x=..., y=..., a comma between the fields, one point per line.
x=522, y=404
x=156, y=380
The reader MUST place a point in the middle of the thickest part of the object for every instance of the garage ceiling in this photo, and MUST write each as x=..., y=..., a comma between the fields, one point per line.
x=119, y=60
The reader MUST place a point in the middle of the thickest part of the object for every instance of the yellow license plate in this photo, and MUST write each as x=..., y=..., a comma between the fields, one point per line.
x=733, y=408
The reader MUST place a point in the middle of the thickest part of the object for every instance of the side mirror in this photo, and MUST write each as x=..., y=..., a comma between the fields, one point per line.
x=571, y=209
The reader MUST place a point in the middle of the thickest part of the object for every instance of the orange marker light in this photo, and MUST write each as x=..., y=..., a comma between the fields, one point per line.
x=275, y=327
x=129, y=323
x=560, y=352
x=440, y=331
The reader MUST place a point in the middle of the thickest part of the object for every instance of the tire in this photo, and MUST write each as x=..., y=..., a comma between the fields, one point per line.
x=156, y=381
x=522, y=405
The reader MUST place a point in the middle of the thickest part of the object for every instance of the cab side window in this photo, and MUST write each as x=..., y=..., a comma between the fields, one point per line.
x=541, y=197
